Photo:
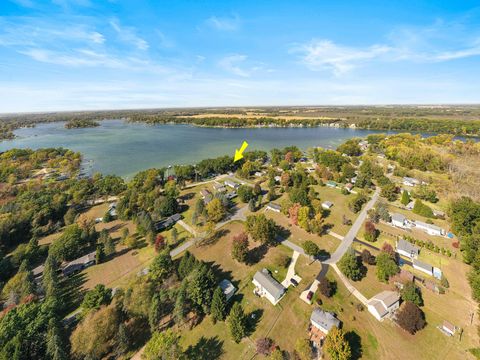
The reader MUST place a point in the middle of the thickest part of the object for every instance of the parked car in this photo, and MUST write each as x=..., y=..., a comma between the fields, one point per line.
x=294, y=282
x=310, y=295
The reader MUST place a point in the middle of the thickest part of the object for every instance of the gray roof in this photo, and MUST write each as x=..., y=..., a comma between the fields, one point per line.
x=428, y=226
x=226, y=286
x=272, y=286
x=327, y=203
x=407, y=247
x=325, y=319
x=82, y=260
x=275, y=206
x=398, y=217
x=422, y=265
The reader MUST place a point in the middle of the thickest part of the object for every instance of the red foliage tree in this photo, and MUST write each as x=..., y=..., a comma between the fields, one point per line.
x=293, y=213
x=370, y=231
x=240, y=247
x=289, y=157
x=388, y=249
x=285, y=179
x=410, y=318
x=265, y=346
x=159, y=243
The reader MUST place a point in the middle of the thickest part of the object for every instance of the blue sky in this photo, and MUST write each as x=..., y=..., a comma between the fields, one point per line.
x=117, y=54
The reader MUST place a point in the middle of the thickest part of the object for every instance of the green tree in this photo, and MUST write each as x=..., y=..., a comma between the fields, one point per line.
x=350, y=266
x=186, y=265
x=163, y=345
x=56, y=344
x=161, y=267
x=237, y=322
x=311, y=248
x=180, y=308
x=245, y=193
x=303, y=349
x=219, y=305
x=215, y=210
x=337, y=345
x=122, y=341
x=405, y=198
x=261, y=229
x=201, y=287
x=386, y=266
x=95, y=298
x=412, y=293
x=420, y=208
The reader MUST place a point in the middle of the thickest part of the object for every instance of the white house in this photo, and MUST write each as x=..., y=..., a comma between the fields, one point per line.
x=267, y=286
x=219, y=187
x=274, y=207
x=409, y=181
x=399, y=220
x=278, y=178
x=231, y=184
x=448, y=328
x=407, y=249
x=321, y=322
x=424, y=267
x=430, y=229
x=384, y=304
x=227, y=288
x=327, y=205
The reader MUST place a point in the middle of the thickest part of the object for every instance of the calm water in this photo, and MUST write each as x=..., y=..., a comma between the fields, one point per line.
x=121, y=148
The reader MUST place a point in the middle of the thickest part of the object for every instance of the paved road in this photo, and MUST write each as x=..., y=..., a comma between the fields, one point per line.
x=178, y=250
x=348, y=239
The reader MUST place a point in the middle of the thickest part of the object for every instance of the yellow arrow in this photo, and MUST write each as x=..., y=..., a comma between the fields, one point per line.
x=239, y=153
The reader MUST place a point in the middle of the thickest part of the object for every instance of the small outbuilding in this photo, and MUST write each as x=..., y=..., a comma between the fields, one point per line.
x=327, y=205
x=274, y=207
x=227, y=288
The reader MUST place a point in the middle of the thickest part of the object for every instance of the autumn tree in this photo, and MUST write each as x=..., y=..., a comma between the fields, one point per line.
x=265, y=346
x=163, y=345
x=215, y=210
x=371, y=233
x=337, y=345
x=293, y=213
x=325, y=287
x=240, y=247
x=410, y=317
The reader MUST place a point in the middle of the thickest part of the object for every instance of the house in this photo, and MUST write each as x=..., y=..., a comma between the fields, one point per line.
x=439, y=214
x=259, y=173
x=349, y=187
x=409, y=181
x=399, y=220
x=384, y=304
x=410, y=205
x=167, y=222
x=231, y=195
x=274, y=207
x=327, y=205
x=227, y=288
x=277, y=179
x=448, y=328
x=321, y=322
x=424, y=267
x=38, y=274
x=353, y=180
x=363, y=145
x=79, y=264
x=112, y=209
x=267, y=286
x=331, y=184
x=407, y=249
x=219, y=187
x=205, y=193
x=231, y=184
x=430, y=229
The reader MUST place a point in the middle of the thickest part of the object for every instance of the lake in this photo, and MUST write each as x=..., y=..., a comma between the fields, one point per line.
x=117, y=147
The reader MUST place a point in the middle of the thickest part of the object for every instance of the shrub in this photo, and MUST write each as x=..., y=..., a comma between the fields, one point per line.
x=411, y=318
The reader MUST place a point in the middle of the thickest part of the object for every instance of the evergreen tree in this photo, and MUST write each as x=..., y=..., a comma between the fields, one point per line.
x=56, y=344
x=219, y=305
x=187, y=264
x=99, y=254
x=201, y=287
x=180, y=309
x=109, y=246
x=251, y=205
x=237, y=322
x=155, y=312
x=50, y=278
x=405, y=198
x=122, y=340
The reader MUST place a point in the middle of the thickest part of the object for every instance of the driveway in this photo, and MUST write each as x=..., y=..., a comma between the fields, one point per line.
x=350, y=287
x=291, y=271
x=348, y=239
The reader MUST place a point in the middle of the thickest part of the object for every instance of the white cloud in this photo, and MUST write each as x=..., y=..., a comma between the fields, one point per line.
x=231, y=64
x=128, y=35
x=325, y=54
x=224, y=23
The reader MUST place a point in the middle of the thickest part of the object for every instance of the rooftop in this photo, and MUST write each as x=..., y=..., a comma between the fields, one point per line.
x=325, y=319
x=407, y=247
x=272, y=286
x=422, y=265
